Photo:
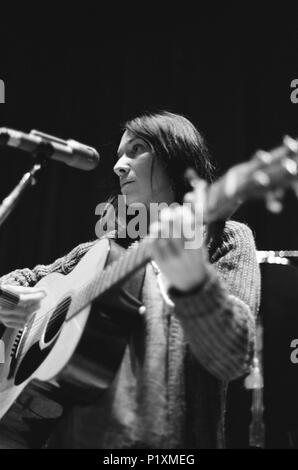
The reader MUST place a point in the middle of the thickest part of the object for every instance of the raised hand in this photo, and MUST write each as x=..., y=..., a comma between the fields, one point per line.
x=181, y=256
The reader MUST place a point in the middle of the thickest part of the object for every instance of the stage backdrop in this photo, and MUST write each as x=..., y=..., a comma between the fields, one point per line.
x=230, y=76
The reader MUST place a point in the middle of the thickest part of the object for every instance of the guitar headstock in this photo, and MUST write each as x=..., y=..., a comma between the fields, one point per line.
x=267, y=175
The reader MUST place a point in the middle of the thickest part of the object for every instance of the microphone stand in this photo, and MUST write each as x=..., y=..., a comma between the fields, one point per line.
x=28, y=180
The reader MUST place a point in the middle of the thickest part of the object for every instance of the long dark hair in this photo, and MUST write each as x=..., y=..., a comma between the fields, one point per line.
x=177, y=144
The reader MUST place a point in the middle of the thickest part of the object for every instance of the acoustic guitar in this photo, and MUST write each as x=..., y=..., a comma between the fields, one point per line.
x=62, y=339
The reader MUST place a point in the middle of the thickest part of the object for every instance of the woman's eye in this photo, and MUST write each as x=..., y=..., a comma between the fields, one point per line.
x=138, y=148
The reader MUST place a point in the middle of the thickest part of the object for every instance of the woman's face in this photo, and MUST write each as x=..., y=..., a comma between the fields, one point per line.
x=141, y=175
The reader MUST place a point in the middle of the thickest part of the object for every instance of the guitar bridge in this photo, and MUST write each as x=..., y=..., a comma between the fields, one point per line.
x=16, y=344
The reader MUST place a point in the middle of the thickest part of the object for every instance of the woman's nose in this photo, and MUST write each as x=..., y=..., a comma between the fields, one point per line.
x=121, y=168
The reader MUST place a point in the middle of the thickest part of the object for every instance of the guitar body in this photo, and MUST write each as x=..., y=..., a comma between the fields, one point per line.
x=79, y=341
x=80, y=349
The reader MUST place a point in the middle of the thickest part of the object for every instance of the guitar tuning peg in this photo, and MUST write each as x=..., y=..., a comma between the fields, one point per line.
x=291, y=144
x=261, y=178
x=263, y=157
x=192, y=177
x=273, y=201
x=274, y=206
x=290, y=166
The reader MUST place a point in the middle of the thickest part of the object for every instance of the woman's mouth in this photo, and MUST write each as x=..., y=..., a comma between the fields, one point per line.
x=126, y=182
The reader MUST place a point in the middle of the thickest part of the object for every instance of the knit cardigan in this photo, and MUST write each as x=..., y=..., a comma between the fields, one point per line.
x=170, y=389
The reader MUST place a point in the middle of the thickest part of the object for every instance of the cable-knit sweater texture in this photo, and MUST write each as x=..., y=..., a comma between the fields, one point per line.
x=169, y=391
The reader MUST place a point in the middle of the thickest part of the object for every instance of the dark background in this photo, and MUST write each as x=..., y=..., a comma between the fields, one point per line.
x=228, y=69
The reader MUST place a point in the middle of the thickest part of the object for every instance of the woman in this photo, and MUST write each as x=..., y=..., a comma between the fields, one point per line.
x=198, y=329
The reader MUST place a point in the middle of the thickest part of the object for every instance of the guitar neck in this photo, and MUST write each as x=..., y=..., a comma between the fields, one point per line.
x=132, y=260
x=113, y=275
x=219, y=204
x=252, y=179
x=222, y=199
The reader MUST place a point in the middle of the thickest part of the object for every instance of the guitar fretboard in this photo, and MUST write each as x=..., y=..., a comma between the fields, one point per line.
x=114, y=274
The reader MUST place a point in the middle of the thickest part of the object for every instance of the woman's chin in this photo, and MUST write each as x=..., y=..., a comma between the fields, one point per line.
x=131, y=199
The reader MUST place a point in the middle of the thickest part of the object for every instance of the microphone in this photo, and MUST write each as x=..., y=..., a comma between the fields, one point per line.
x=70, y=152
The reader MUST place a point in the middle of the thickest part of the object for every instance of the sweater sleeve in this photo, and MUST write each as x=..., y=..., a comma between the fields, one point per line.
x=219, y=317
x=64, y=265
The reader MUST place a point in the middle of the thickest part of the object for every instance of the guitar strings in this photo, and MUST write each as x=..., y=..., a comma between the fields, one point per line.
x=36, y=325
x=61, y=310
x=106, y=276
x=54, y=315
x=48, y=330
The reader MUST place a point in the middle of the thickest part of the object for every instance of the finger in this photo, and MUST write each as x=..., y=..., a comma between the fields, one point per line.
x=159, y=250
x=197, y=197
x=154, y=230
x=200, y=197
x=14, y=325
x=165, y=225
x=183, y=224
x=173, y=248
x=22, y=289
x=193, y=224
x=10, y=298
x=172, y=224
x=31, y=299
x=17, y=314
x=159, y=229
x=166, y=249
x=19, y=310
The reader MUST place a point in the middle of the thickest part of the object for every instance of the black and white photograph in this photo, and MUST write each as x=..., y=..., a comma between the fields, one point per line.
x=149, y=234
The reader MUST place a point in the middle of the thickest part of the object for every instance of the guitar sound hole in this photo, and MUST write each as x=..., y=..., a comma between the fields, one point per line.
x=57, y=319
x=30, y=362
